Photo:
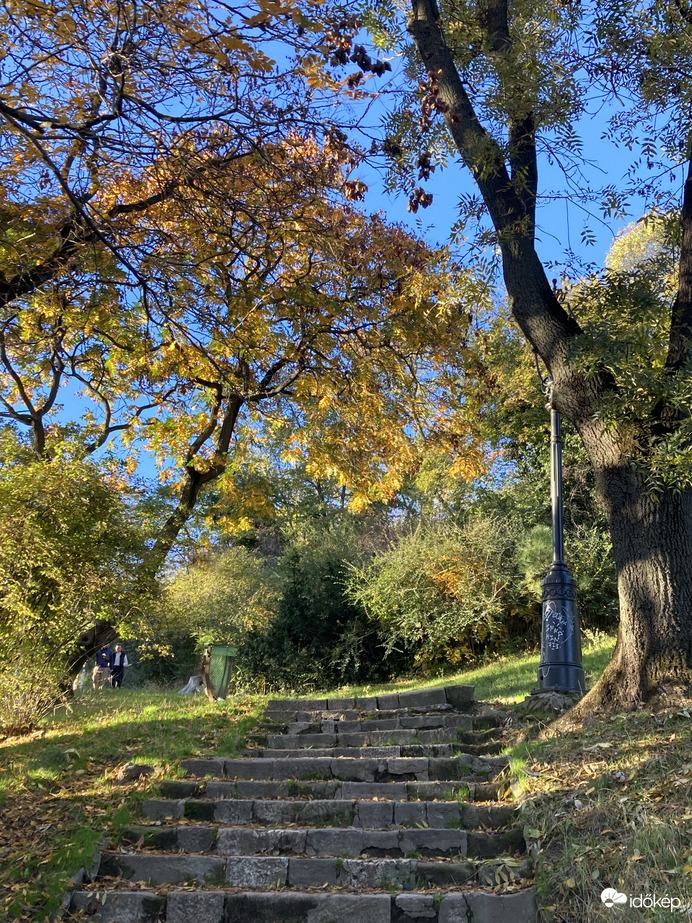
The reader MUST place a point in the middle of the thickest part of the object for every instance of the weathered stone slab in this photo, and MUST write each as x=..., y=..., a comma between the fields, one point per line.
x=416, y=906
x=422, y=698
x=243, y=841
x=519, y=907
x=163, y=869
x=443, y=814
x=331, y=752
x=355, y=790
x=445, y=874
x=200, y=906
x=359, y=726
x=276, y=812
x=300, y=704
x=218, y=790
x=287, y=788
x=432, y=791
x=450, y=769
x=356, y=873
x=460, y=697
x=234, y=811
x=461, y=722
x=481, y=815
x=196, y=839
x=203, y=767
x=256, y=871
x=250, y=769
x=300, y=767
x=309, y=873
x=308, y=908
x=356, y=770
x=366, y=703
x=412, y=767
x=340, y=704
x=454, y=909
x=409, y=813
x=486, y=845
x=296, y=741
x=163, y=808
x=197, y=809
x=390, y=700
x=429, y=750
x=429, y=842
x=436, y=735
x=334, y=842
x=178, y=788
x=301, y=727
x=119, y=906
x=315, y=812
x=374, y=814
x=381, y=843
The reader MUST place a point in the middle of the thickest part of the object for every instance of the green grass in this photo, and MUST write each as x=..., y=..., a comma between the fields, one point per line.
x=503, y=679
x=57, y=795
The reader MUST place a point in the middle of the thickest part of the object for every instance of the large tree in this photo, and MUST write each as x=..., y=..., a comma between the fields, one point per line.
x=501, y=83
x=178, y=240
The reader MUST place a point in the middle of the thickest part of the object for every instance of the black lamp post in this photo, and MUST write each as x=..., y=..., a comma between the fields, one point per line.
x=560, y=668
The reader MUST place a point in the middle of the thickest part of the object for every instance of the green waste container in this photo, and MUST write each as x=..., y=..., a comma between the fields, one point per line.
x=220, y=669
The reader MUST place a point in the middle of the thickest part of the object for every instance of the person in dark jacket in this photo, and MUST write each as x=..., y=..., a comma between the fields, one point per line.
x=102, y=670
x=118, y=663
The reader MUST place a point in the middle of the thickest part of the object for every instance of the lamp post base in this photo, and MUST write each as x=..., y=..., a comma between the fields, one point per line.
x=560, y=668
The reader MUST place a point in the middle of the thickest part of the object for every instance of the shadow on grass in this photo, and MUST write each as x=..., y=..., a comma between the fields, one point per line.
x=56, y=786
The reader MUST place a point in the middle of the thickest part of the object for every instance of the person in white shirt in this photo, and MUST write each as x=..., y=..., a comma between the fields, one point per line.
x=118, y=663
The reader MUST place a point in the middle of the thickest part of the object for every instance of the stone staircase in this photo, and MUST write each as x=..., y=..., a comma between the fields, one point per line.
x=374, y=810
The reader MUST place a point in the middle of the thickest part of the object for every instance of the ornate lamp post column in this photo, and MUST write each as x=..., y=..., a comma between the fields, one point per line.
x=560, y=668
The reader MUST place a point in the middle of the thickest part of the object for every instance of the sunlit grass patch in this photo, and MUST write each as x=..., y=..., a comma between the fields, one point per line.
x=57, y=793
x=504, y=679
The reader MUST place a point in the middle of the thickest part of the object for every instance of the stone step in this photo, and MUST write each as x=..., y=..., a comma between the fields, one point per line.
x=435, y=750
x=359, y=752
x=401, y=722
x=254, y=870
x=460, y=697
x=421, y=769
x=366, y=738
x=333, y=812
x=219, y=906
x=351, y=841
x=333, y=789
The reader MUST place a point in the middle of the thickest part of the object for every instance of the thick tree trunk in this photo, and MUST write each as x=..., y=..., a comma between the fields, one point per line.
x=652, y=543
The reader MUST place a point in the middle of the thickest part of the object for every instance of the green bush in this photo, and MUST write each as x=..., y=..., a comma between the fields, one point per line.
x=70, y=558
x=442, y=591
x=318, y=635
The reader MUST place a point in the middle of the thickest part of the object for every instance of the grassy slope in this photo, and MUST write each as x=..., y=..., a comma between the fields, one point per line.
x=610, y=803
x=57, y=797
x=504, y=679
x=596, y=828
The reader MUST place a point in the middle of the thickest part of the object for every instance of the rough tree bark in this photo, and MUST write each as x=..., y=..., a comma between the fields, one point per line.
x=651, y=535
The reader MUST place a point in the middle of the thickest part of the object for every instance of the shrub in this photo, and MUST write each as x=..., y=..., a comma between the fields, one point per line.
x=441, y=591
x=318, y=635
